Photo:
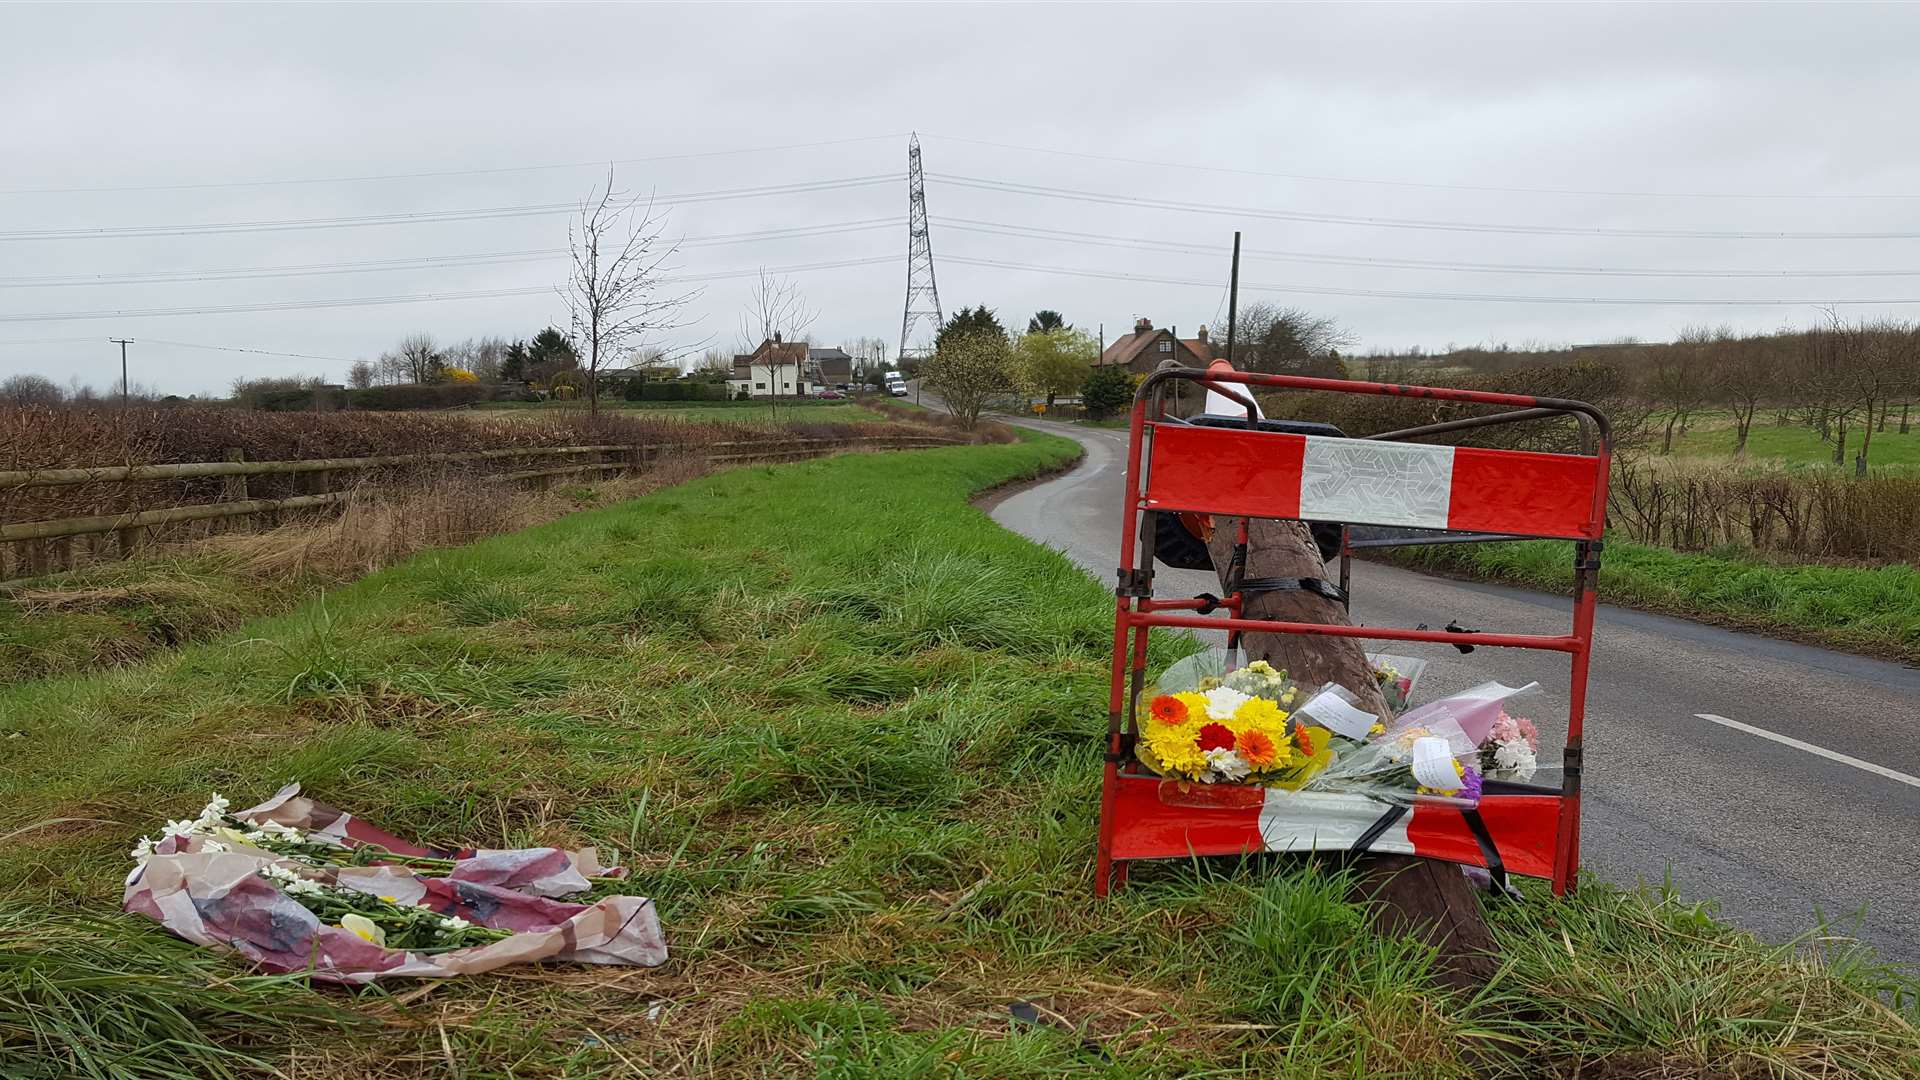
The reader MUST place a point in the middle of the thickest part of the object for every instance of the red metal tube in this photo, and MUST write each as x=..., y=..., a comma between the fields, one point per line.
x=1376, y=633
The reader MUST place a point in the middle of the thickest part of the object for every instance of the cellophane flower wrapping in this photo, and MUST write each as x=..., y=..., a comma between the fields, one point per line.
x=1203, y=723
x=213, y=884
x=1398, y=678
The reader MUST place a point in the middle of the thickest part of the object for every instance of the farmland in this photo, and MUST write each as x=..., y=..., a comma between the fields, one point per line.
x=1712, y=435
x=856, y=765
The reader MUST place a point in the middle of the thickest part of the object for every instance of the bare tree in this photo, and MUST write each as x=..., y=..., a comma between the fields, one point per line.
x=31, y=390
x=360, y=375
x=419, y=358
x=1677, y=377
x=614, y=287
x=776, y=320
x=1288, y=341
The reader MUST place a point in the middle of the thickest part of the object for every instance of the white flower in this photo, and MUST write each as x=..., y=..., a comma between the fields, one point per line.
x=142, y=851
x=274, y=828
x=1223, y=701
x=278, y=873
x=182, y=828
x=212, y=847
x=1228, y=764
x=1516, y=759
x=453, y=924
x=215, y=812
x=303, y=887
x=254, y=836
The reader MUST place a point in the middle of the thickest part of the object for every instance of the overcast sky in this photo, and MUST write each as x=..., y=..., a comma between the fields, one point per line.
x=1637, y=119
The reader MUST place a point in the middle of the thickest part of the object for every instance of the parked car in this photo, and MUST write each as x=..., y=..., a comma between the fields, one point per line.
x=826, y=395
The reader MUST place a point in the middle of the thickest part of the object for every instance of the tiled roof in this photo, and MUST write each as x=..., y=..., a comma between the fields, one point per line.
x=1125, y=350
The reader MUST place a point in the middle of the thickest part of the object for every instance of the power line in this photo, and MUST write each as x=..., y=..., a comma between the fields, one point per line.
x=1496, y=189
x=423, y=262
x=413, y=298
x=241, y=349
x=447, y=172
x=1014, y=188
x=1319, y=290
x=1102, y=240
x=417, y=217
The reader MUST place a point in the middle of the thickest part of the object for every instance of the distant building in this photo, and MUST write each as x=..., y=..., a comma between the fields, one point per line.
x=776, y=368
x=830, y=367
x=1147, y=348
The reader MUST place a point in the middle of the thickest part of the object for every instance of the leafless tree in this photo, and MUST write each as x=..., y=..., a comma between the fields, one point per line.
x=31, y=390
x=1288, y=341
x=615, y=290
x=360, y=375
x=777, y=314
x=419, y=358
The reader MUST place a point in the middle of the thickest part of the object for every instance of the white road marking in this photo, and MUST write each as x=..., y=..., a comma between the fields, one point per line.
x=1820, y=751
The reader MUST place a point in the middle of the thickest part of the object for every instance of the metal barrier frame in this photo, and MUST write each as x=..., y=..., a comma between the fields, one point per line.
x=1137, y=611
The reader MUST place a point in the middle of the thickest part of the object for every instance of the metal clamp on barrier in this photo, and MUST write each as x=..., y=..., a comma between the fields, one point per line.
x=1589, y=556
x=1125, y=753
x=1135, y=583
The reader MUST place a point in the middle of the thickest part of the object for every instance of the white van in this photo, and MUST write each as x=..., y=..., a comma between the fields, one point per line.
x=896, y=384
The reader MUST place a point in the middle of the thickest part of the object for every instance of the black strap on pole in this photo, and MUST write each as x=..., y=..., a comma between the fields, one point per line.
x=1317, y=586
x=1380, y=825
x=1489, y=851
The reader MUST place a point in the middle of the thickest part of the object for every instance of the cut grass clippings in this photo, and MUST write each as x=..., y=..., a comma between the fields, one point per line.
x=846, y=731
x=1872, y=610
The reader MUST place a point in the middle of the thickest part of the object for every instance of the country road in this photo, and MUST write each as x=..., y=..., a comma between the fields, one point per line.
x=1774, y=832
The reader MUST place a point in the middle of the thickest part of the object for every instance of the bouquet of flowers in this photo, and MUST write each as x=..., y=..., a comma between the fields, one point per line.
x=1211, y=726
x=1206, y=725
x=1512, y=749
x=1398, y=678
x=294, y=885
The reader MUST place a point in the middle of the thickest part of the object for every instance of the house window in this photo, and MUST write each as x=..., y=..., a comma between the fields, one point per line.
x=1167, y=346
x=763, y=386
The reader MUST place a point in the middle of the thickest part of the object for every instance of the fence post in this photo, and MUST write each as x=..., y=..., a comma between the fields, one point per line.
x=36, y=557
x=59, y=554
x=236, y=486
x=131, y=539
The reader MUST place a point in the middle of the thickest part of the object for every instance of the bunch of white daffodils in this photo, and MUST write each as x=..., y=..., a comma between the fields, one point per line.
x=218, y=831
x=381, y=920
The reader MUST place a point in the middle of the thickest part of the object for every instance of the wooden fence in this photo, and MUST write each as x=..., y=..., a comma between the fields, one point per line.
x=43, y=547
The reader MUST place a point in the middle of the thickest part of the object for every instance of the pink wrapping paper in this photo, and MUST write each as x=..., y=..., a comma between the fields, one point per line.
x=219, y=899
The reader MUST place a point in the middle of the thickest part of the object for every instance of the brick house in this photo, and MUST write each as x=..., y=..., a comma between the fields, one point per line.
x=1148, y=347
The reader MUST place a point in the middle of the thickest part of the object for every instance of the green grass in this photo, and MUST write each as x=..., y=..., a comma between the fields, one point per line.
x=1874, y=610
x=845, y=730
x=1713, y=436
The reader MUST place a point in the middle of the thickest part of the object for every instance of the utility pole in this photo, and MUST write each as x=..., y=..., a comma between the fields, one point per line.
x=1233, y=297
x=123, y=343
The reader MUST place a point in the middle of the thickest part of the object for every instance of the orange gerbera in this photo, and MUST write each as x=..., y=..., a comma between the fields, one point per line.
x=1303, y=739
x=1257, y=748
x=1168, y=709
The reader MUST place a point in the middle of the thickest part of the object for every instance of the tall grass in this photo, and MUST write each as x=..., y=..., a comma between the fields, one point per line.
x=846, y=732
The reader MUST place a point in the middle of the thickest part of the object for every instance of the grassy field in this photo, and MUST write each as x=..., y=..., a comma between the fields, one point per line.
x=844, y=729
x=1713, y=435
x=1873, y=610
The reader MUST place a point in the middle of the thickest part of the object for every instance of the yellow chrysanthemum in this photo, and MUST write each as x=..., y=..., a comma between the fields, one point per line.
x=1174, y=748
x=1262, y=714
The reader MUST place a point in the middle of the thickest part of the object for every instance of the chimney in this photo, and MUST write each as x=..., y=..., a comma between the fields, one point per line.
x=776, y=337
x=1142, y=325
x=1203, y=335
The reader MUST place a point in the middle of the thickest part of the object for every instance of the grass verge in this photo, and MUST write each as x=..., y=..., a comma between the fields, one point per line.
x=1870, y=610
x=844, y=729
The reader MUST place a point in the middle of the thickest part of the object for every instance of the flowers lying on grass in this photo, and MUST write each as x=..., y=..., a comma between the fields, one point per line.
x=382, y=920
